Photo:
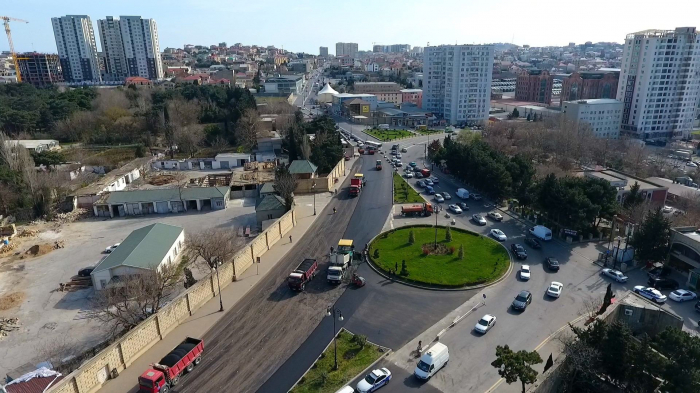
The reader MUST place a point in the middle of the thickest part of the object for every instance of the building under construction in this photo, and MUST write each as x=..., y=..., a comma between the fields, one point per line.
x=40, y=69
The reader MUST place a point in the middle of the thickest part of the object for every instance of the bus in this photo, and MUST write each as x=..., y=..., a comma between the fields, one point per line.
x=373, y=144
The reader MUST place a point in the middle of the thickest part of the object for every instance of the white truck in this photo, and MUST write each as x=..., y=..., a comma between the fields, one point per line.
x=463, y=193
x=339, y=263
x=541, y=232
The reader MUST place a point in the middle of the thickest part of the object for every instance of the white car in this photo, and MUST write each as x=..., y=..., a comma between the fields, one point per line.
x=614, y=274
x=398, y=155
x=691, y=164
x=667, y=209
x=485, y=323
x=554, y=289
x=446, y=195
x=525, y=272
x=455, y=209
x=109, y=249
x=374, y=380
x=439, y=198
x=650, y=293
x=682, y=295
x=429, y=182
x=498, y=234
x=409, y=175
x=479, y=219
x=495, y=216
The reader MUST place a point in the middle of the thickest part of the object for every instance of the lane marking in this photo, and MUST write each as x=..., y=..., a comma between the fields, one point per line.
x=537, y=348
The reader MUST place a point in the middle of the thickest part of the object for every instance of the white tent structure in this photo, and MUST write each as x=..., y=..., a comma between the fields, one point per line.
x=326, y=94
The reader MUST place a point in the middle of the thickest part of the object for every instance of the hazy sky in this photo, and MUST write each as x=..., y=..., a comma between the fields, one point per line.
x=304, y=25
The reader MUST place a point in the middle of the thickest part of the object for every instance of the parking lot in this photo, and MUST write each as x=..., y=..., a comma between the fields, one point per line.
x=51, y=320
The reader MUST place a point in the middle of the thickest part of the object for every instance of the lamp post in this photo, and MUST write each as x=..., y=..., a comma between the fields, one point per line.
x=437, y=209
x=313, y=190
x=332, y=311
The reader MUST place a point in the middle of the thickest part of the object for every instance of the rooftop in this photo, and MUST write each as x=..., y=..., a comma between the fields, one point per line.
x=103, y=182
x=595, y=101
x=144, y=248
x=676, y=188
x=302, y=166
x=270, y=202
x=162, y=194
x=613, y=176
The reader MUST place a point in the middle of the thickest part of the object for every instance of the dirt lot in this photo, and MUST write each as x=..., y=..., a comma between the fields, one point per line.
x=29, y=282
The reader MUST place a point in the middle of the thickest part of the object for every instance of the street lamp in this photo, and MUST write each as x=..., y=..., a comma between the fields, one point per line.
x=313, y=190
x=332, y=311
x=437, y=208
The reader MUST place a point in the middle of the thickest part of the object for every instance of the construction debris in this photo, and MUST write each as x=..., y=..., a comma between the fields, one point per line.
x=75, y=284
x=58, y=244
x=39, y=249
x=8, y=325
x=76, y=214
x=7, y=248
x=11, y=300
x=27, y=233
x=9, y=230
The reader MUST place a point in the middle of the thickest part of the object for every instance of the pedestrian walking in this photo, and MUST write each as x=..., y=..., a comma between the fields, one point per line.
x=290, y=238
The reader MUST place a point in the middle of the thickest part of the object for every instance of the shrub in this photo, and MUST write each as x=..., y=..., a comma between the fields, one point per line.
x=426, y=250
x=411, y=237
x=360, y=340
x=376, y=253
x=461, y=251
x=448, y=234
x=323, y=376
x=140, y=151
x=404, y=268
x=452, y=250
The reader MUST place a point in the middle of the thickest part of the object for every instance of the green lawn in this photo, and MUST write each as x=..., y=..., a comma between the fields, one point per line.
x=484, y=259
x=403, y=192
x=428, y=132
x=388, y=135
x=351, y=361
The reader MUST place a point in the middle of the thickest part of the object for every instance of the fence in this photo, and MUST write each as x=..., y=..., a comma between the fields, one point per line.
x=94, y=373
x=322, y=183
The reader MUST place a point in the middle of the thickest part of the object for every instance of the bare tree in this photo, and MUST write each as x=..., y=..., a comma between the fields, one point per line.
x=285, y=184
x=247, y=129
x=189, y=138
x=210, y=248
x=219, y=144
x=134, y=298
x=183, y=112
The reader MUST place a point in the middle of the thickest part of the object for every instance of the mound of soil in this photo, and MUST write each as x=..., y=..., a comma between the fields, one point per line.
x=39, y=249
x=11, y=300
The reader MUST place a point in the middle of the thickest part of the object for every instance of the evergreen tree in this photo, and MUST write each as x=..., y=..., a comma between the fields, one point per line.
x=651, y=240
x=513, y=366
x=448, y=234
x=411, y=237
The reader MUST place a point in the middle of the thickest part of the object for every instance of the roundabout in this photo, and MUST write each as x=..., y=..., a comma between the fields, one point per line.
x=460, y=260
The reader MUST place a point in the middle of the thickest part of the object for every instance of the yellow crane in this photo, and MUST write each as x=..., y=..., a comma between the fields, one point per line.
x=6, y=21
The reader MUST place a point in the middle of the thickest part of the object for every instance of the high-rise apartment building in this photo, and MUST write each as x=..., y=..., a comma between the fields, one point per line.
x=75, y=41
x=457, y=82
x=323, y=51
x=141, y=47
x=346, y=49
x=534, y=86
x=114, y=58
x=40, y=69
x=659, y=83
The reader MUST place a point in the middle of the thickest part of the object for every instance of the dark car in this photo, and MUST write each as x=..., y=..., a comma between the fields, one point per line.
x=522, y=300
x=532, y=242
x=658, y=272
x=475, y=196
x=697, y=306
x=663, y=283
x=518, y=250
x=463, y=206
x=85, y=272
x=552, y=264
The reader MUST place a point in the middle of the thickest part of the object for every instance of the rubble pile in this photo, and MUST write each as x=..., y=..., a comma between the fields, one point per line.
x=69, y=217
x=8, y=325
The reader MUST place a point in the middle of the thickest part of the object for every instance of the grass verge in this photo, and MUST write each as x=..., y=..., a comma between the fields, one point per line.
x=484, y=259
x=352, y=359
x=403, y=192
x=388, y=135
x=428, y=132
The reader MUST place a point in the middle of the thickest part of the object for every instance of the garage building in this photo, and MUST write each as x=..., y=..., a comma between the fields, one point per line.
x=161, y=201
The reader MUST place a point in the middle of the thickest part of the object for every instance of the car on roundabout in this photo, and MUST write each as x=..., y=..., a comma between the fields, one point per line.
x=463, y=206
x=496, y=216
x=439, y=198
x=479, y=219
x=455, y=209
x=518, y=250
x=524, y=272
x=554, y=289
x=498, y=235
x=532, y=242
x=485, y=324
x=522, y=300
x=374, y=380
x=552, y=263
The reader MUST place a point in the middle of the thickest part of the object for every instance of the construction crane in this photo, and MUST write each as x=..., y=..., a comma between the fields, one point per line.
x=6, y=21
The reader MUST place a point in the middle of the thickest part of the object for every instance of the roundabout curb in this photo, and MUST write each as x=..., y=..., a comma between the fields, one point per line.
x=382, y=273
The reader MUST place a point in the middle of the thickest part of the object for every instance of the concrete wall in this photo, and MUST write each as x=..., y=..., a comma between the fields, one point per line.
x=323, y=184
x=93, y=374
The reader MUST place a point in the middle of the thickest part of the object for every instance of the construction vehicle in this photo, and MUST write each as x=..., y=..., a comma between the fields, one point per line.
x=6, y=21
x=422, y=209
x=379, y=165
x=162, y=376
x=340, y=261
x=302, y=275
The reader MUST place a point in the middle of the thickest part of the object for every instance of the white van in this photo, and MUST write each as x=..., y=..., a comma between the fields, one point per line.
x=432, y=360
x=463, y=193
x=383, y=126
x=541, y=232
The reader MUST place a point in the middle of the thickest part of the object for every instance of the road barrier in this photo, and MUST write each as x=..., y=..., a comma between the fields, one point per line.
x=121, y=354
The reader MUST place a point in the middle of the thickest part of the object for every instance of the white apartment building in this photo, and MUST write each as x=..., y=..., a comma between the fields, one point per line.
x=346, y=49
x=112, y=49
x=603, y=115
x=659, y=83
x=457, y=82
x=75, y=42
x=141, y=47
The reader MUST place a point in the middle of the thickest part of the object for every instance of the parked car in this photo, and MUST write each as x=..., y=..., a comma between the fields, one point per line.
x=374, y=380
x=478, y=219
x=429, y=182
x=498, y=234
x=495, y=216
x=418, y=175
x=614, y=274
x=399, y=164
x=518, y=251
x=111, y=248
x=455, y=209
x=658, y=272
x=409, y=175
x=554, y=289
x=429, y=190
x=439, y=198
x=476, y=197
x=404, y=150
x=420, y=183
x=485, y=324
x=524, y=272
x=532, y=242
x=463, y=206
x=662, y=283
x=446, y=195
x=435, y=179
x=552, y=264
x=522, y=300
x=85, y=272
x=413, y=164
x=667, y=209
x=650, y=293
x=682, y=295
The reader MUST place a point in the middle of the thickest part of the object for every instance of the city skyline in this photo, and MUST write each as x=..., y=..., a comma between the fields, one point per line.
x=193, y=22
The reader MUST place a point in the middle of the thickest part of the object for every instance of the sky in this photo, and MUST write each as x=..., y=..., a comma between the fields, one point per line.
x=304, y=25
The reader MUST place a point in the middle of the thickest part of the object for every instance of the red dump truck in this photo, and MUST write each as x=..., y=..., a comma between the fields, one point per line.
x=425, y=172
x=356, y=184
x=304, y=273
x=162, y=376
x=421, y=209
x=379, y=165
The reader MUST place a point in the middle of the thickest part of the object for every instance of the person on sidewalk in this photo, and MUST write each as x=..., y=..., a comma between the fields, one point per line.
x=290, y=238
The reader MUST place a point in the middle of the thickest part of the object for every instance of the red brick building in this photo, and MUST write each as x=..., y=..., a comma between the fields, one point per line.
x=534, y=86
x=589, y=85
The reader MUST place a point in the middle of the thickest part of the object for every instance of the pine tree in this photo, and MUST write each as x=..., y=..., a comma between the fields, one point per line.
x=411, y=237
x=461, y=251
x=448, y=234
x=652, y=239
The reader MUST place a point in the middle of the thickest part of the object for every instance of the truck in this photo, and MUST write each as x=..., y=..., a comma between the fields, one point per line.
x=356, y=184
x=162, y=376
x=378, y=165
x=421, y=209
x=304, y=273
x=425, y=172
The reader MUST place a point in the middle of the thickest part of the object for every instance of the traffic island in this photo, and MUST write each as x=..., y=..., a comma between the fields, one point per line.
x=355, y=356
x=389, y=135
x=403, y=192
x=461, y=260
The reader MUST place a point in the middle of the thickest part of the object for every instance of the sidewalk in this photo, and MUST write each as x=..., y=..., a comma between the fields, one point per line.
x=208, y=314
